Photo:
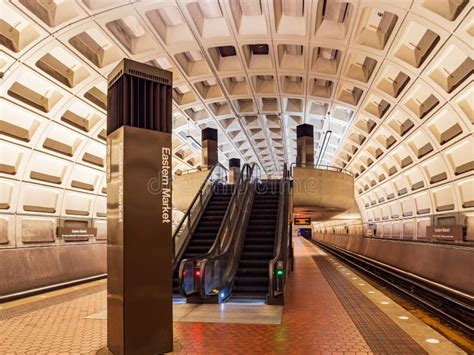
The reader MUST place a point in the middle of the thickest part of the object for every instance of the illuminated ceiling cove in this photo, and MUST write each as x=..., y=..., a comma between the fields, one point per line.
x=390, y=80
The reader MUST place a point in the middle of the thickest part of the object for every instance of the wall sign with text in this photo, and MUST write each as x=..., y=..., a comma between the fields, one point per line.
x=302, y=221
x=76, y=234
x=447, y=233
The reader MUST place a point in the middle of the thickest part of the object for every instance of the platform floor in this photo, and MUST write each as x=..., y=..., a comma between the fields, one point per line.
x=329, y=309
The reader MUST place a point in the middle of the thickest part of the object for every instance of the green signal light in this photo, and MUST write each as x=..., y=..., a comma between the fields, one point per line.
x=280, y=272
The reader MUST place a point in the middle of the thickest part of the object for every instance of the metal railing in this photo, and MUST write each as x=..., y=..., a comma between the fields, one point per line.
x=185, y=228
x=278, y=267
x=212, y=274
x=189, y=171
x=320, y=167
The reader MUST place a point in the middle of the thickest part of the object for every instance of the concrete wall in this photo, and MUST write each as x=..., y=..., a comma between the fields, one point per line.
x=33, y=255
x=185, y=188
x=28, y=268
x=446, y=264
x=324, y=189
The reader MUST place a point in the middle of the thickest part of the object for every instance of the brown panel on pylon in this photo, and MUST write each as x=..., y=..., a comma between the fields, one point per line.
x=139, y=300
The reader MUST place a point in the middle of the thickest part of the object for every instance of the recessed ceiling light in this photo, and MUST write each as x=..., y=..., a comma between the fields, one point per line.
x=259, y=49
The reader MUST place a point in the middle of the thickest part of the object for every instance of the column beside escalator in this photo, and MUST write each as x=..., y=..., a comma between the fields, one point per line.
x=305, y=145
x=209, y=148
x=139, y=252
x=234, y=170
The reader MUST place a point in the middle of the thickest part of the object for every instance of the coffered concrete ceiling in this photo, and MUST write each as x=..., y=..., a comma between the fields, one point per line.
x=388, y=83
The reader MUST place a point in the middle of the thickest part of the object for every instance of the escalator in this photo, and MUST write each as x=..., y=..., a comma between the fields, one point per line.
x=252, y=277
x=205, y=233
x=252, y=256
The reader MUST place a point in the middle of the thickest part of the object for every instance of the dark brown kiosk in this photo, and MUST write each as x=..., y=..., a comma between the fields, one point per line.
x=234, y=170
x=139, y=184
x=209, y=148
x=305, y=145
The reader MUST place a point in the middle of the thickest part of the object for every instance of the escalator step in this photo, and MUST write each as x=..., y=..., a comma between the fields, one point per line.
x=258, y=247
x=250, y=288
x=211, y=218
x=248, y=295
x=253, y=263
x=265, y=241
x=260, y=233
x=190, y=255
x=257, y=255
x=252, y=280
x=209, y=230
x=262, y=218
x=208, y=223
x=203, y=234
x=253, y=270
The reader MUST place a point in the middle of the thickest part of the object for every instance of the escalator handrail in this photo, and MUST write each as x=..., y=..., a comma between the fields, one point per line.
x=247, y=172
x=282, y=240
x=197, y=197
x=236, y=238
x=241, y=186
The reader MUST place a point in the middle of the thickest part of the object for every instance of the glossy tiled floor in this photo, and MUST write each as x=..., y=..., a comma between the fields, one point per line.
x=223, y=313
x=314, y=321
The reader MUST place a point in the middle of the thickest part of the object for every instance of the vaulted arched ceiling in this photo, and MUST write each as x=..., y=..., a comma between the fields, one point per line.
x=390, y=80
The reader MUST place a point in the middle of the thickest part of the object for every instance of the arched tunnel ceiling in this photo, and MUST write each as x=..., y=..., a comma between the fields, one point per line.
x=392, y=81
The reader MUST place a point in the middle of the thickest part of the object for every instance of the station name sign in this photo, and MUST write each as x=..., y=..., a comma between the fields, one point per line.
x=76, y=234
x=166, y=185
x=302, y=221
x=448, y=233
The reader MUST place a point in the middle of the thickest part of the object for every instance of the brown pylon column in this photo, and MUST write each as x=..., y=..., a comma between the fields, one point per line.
x=139, y=184
x=305, y=145
x=234, y=170
x=209, y=147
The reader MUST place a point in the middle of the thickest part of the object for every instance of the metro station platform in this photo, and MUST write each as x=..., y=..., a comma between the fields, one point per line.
x=329, y=309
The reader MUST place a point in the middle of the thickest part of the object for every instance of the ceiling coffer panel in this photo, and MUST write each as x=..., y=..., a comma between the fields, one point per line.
x=391, y=83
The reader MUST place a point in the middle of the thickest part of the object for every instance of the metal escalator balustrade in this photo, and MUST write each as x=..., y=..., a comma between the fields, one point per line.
x=208, y=276
x=282, y=263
